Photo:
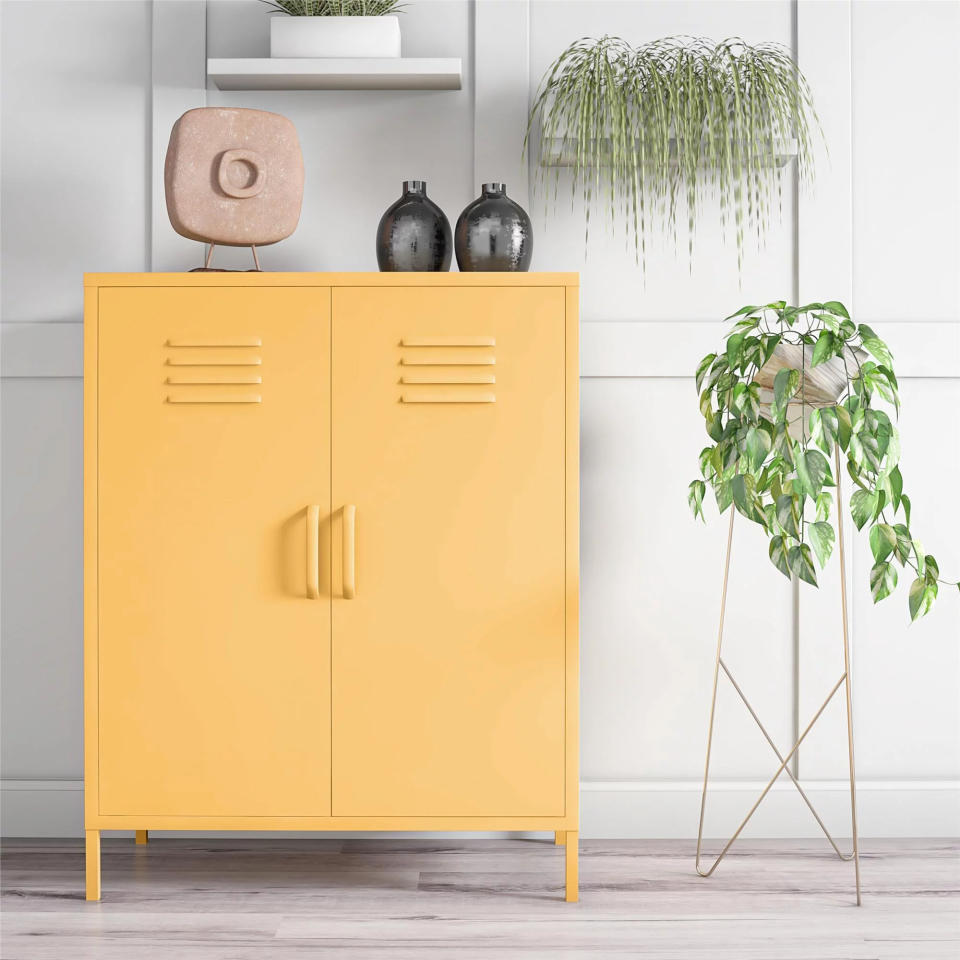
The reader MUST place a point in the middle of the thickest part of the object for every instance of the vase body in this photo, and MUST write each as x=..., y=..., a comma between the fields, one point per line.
x=494, y=233
x=334, y=36
x=414, y=234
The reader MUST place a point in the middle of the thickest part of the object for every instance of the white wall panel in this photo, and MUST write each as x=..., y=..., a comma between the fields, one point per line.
x=75, y=115
x=906, y=134
x=908, y=676
x=82, y=143
x=650, y=598
x=41, y=660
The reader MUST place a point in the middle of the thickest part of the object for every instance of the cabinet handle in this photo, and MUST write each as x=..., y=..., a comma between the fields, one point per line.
x=313, y=552
x=349, y=551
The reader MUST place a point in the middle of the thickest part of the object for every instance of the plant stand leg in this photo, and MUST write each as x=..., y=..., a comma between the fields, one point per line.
x=93, y=864
x=142, y=837
x=846, y=674
x=844, y=681
x=560, y=837
x=713, y=696
x=571, y=843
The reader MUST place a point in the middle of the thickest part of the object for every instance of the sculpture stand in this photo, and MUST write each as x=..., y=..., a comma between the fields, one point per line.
x=206, y=268
x=844, y=681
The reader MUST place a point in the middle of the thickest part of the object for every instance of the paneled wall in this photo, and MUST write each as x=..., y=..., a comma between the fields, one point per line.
x=82, y=149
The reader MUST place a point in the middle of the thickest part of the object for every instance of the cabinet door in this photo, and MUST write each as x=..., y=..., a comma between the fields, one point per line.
x=448, y=443
x=214, y=599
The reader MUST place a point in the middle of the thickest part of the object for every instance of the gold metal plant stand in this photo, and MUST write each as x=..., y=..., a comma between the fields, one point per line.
x=844, y=681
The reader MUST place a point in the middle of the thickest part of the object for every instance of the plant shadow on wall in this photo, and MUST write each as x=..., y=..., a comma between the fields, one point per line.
x=793, y=386
x=649, y=130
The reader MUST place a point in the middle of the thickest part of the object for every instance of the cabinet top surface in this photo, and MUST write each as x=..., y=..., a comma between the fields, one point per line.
x=241, y=279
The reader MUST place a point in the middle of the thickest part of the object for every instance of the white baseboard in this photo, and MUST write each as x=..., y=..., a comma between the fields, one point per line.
x=622, y=809
x=671, y=809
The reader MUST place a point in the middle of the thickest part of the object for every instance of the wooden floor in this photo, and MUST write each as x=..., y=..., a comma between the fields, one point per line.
x=495, y=899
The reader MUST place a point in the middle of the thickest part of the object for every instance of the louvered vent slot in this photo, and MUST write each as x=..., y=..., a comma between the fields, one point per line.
x=448, y=360
x=207, y=371
x=447, y=396
x=232, y=342
x=448, y=371
x=448, y=342
x=214, y=378
x=214, y=361
x=447, y=378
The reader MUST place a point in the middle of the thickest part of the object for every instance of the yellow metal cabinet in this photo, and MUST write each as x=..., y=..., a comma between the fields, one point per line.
x=331, y=553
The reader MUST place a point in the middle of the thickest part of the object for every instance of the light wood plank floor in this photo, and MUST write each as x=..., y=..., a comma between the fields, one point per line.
x=495, y=899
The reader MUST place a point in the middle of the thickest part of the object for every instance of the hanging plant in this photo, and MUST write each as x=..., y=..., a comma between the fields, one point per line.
x=643, y=127
x=336, y=8
x=793, y=387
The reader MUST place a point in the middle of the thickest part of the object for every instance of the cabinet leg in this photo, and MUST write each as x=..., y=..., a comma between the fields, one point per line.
x=142, y=837
x=559, y=837
x=93, y=864
x=573, y=873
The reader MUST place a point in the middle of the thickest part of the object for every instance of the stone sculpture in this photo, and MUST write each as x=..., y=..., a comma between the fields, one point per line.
x=233, y=177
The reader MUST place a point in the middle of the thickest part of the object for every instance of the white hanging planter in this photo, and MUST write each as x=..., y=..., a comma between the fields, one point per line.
x=334, y=37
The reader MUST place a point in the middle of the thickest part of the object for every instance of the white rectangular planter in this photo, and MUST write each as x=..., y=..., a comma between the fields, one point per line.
x=318, y=37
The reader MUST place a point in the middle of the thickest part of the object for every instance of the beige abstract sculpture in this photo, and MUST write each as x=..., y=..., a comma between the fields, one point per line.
x=233, y=177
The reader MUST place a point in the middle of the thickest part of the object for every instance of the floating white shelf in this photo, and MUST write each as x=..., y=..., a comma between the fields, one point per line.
x=359, y=73
x=562, y=151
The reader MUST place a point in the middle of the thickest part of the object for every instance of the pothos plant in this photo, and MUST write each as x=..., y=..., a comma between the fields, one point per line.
x=772, y=441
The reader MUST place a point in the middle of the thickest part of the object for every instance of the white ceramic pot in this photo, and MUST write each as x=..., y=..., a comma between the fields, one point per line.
x=334, y=36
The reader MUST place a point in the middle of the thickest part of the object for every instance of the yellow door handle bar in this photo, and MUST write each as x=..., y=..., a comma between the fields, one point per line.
x=349, y=551
x=313, y=552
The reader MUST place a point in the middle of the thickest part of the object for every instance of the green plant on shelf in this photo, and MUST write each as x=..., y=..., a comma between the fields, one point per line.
x=793, y=387
x=644, y=128
x=336, y=8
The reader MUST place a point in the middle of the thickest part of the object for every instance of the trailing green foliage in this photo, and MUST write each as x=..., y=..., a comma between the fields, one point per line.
x=772, y=450
x=335, y=8
x=646, y=127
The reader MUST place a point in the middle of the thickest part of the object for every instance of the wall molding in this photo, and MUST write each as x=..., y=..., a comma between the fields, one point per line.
x=608, y=348
x=625, y=809
x=652, y=348
x=47, y=350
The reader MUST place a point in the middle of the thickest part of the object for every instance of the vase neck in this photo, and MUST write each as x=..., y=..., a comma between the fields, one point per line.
x=415, y=187
x=494, y=189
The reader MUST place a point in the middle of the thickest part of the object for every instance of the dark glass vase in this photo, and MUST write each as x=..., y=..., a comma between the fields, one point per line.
x=494, y=233
x=414, y=233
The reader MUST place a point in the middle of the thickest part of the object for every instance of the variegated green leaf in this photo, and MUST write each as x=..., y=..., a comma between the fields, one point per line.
x=801, y=562
x=695, y=498
x=922, y=594
x=704, y=368
x=785, y=385
x=778, y=555
x=862, y=505
x=883, y=541
x=821, y=539
x=883, y=580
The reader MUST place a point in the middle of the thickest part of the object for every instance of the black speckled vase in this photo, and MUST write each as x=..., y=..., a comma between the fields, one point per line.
x=494, y=233
x=414, y=233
